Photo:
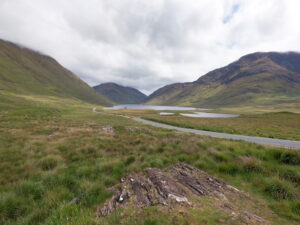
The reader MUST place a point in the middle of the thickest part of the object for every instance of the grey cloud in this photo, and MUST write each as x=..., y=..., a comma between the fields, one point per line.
x=148, y=44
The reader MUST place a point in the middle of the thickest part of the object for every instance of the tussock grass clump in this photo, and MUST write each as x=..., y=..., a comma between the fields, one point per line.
x=96, y=194
x=250, y=164
x=295, y=207
x=12, y=206
x=156, y=162
x=30, y=189
x=48, y=163
x=290, y=175
x=230, y=169
x=291, y=158
x=278, y=190
x=129, y=160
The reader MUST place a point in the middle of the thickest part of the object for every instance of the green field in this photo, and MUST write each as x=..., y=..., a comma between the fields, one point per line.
x=53, y=150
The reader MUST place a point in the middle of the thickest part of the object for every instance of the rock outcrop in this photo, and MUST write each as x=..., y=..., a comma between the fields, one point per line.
x=177, y=185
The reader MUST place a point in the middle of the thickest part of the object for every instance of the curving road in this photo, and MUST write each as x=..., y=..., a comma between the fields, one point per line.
x=258, y=140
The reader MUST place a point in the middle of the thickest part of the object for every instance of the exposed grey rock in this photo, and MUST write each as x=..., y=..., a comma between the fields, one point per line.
x=75, y=200
x=253, y=216
x=140, y=129
x=164, y=185
x=108, y=129
x=178, y=184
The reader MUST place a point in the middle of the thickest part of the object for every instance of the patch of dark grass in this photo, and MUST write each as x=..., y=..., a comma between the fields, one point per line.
x=156, y=162
x=290, y=175
x=291, y=158
x=182, y=158
x=30, y=189
x=129, y=160
x=95, y=195
x=12, y=206
x=230, y=169
x=278, y=190
x=221, y=157
x=48, y=163
x=295, y=207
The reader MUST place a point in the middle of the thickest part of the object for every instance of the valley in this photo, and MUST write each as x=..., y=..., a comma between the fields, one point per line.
x=54, y=150
x=67, y=157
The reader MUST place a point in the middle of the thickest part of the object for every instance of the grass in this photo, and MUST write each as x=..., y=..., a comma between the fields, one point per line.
x=54, y=150
x=282, y=125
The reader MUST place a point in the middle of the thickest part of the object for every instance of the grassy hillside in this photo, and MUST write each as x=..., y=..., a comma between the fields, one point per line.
x=269, y=79
x=23, y=71
x=53, y=150
x=60, y=161
x=120, y=94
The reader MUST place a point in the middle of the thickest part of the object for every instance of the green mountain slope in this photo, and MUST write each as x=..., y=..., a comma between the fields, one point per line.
x=26, y=72
x=255, y=79
x=120, y=94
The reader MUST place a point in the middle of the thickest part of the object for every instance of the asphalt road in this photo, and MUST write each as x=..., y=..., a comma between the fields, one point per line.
x=257, y=140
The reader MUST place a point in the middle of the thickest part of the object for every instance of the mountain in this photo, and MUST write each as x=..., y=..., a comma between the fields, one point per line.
x=262, y=78
x=26, y=72
x=120, y=94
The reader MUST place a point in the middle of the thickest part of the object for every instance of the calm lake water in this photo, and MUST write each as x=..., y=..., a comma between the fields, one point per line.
x=155, y=107
x=166, y=113
x=174, y=108
x=208, y=115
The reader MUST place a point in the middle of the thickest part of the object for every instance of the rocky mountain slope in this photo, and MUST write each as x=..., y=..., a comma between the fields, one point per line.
x=26, y=72
x=256, y=79
x=120, y=94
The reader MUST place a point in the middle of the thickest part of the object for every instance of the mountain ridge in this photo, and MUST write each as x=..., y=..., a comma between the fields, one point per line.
x=254, y=79
x=121, y=94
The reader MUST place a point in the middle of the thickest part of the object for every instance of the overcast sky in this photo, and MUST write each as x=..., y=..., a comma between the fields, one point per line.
x=147, y=44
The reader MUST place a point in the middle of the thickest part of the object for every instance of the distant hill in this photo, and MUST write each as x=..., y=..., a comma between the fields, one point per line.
x=256, y=79
x=27, y=72
x=120, y=94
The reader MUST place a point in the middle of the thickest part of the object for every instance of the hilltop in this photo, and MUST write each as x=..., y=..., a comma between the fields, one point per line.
x=262, y=78
x=120, y=94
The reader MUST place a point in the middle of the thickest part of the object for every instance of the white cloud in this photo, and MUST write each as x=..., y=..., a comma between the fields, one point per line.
x=148, y=44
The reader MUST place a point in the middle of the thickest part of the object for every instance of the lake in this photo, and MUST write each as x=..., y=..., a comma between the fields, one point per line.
x=154, y=107
x=174, y=108
x=209, y=115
